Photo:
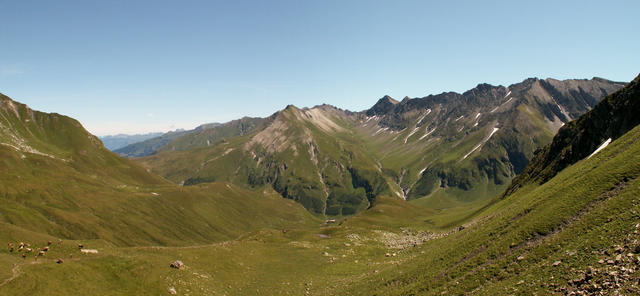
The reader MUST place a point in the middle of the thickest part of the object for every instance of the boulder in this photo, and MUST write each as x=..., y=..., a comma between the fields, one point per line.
x=177, y=264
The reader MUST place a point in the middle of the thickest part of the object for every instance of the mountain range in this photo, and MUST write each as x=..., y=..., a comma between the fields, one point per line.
x=215, y=221
x=113, y=142
x=454, y=148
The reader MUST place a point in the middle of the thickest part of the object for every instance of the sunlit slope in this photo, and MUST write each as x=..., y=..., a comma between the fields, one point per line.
x=57, y=179
x=455, y=149
x=576, y=232
x=610, y=119
x=539, y=239
x=587, y=209
x=302, y=154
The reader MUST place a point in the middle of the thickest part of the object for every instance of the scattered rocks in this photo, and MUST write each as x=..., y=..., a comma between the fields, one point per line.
x=172, y=291
x=177, y=264
x=614, y=276
x=408, y=238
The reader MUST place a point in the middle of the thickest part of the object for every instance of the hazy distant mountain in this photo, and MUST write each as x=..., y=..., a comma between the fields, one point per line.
x=203, y=135
x=453, y=147
x=149, y=146
x=113, y=142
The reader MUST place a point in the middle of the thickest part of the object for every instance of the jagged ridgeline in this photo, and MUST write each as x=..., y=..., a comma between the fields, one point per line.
x=449, y=147
x=607, y=121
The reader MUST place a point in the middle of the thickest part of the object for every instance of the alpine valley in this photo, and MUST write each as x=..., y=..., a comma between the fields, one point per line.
x=526, y=189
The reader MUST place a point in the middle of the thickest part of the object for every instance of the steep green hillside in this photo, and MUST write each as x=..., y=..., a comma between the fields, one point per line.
x=610, y=119
x=57, y=179
x=454, y=149
x=577, y=233
x=302, y=154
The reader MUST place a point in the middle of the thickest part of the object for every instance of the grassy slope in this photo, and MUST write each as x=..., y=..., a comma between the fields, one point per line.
x=587, y=208
x=326, y=169
x=56, y=178
x=298, y=159
x=609, y=119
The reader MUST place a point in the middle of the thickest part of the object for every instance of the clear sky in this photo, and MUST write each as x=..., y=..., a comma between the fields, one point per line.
x=142, y=66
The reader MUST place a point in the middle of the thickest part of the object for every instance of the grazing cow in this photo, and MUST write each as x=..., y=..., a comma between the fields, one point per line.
x=80, y=246
x=29, y=250
x=41, y=253
x=46, y=249
x=24, y=255
x=59, y=261
x=49, y=243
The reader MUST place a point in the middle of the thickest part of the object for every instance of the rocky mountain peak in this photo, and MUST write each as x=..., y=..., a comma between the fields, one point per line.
x=384, y=105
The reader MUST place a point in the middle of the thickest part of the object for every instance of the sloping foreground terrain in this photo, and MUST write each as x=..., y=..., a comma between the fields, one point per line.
x=452, y=148
x=577, y=232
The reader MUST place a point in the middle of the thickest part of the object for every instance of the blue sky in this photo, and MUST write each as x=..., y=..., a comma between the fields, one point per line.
x=143, y=66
